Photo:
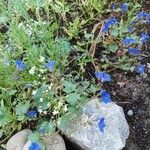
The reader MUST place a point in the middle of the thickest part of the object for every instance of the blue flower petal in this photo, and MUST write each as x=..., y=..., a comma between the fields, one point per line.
x=128, y=41
x=103, y=76
x=20, y=65
x=32, y=113
x=106, y=97
x=102, y=124
x=50, y=65
x=134, y=51
x=140, y=69
x=143, y=15
x=144, y=38
x=124, y=7
x=34, y=146
x=111, y=21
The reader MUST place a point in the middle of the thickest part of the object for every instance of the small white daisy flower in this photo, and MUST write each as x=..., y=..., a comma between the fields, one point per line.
x=32, y=70
x=45, y=112
x=65, y=108
x=55, y=112
x=42, y=59
x=40, y=111
x=41, y=99
x=34, y=92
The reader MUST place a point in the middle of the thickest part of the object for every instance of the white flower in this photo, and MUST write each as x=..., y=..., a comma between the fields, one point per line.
x=42, y=59
x=41, y=99
x=42, y=70
x=33, y=92
x=55, y=112
x=32, y=70
x=65, y=108
x=40, y=111
x=45, y=112
x=49, y=104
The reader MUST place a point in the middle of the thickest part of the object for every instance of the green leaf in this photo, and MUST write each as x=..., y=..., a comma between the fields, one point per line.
x=21, y=109
x=64, y=122
x=69, y=86
x=93, y=89
x=47, y=127
x=12, y=92
x=47, y=97
x=5, y=116
x=113, y=48
x=115, y=32
x=72, y=98
x=39, y=92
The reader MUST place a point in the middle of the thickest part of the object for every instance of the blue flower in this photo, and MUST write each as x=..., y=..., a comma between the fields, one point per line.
x=128, y=41
x=106, y=97
x=140, y=69
x=134, y=51
x=124, y=7
x=103, y=76
x=20, y=65
x=32, y=113
x=34, y=146
x=143, y=15
x=50, y=65
x=111, y=21
x=102, y=124
x=144, y=38
x=131, y=29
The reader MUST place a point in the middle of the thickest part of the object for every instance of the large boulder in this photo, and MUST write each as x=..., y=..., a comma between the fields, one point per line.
x=86, y=133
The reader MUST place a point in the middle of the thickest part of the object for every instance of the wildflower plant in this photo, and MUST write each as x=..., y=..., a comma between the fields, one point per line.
x=51, y=60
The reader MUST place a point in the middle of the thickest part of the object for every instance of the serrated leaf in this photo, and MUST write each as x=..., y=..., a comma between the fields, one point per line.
x=92, y=89
x=22, y=107
x=47, y=127
x=39, y=92
x=69, y=86
x=12, y=92
x=72, y=98
x=113, y=48
x=5, y=116
x=46, y=99
x=64, y=122
x=115, y=32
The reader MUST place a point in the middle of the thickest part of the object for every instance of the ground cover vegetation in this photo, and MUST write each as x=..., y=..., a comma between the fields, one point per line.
x=57, y=55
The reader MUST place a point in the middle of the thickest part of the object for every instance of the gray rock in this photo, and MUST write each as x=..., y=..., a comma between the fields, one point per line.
x=52, y=142
x=17, y=141
x=130, y=112
x=27, y=145
x=86, y=133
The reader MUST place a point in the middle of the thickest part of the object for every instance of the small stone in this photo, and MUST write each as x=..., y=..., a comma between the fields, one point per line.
x=17, y=141
x=52, y=142
x=130, y=112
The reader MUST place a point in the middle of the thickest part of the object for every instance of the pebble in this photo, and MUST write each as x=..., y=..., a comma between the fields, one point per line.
x=130, y=112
